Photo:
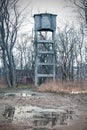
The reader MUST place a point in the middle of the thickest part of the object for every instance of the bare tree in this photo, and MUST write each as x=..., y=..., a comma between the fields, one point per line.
x=24, y=55
x=70, y=45
x=8, y=33
x=82, y=8
x=65, y=46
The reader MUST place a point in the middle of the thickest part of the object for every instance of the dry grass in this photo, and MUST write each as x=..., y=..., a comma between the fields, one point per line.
x=9, y=127
x=67, y=87
x=2, y=83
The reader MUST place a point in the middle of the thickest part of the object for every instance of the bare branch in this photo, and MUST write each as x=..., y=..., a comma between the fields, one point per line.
x=78, y=5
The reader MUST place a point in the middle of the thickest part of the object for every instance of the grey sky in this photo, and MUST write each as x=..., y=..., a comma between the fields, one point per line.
x=60, y=7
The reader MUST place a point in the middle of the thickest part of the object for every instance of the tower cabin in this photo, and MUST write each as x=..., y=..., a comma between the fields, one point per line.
x=45, y=22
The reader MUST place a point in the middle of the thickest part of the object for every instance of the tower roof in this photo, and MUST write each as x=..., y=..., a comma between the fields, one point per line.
x=45, y=14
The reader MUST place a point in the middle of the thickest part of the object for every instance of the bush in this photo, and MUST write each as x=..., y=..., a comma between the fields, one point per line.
x=67, y=87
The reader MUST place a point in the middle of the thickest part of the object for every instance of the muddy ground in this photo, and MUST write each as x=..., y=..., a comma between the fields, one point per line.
x=31, y=110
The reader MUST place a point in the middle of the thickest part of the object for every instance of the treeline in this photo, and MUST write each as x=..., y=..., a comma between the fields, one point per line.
x=17, y=52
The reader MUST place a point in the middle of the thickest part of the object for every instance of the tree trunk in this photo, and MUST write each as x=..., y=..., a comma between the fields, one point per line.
x=12, y=73
x=9, y=69
x=6, y=71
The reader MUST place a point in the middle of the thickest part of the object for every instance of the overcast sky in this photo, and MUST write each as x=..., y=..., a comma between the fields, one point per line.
x=65, y=14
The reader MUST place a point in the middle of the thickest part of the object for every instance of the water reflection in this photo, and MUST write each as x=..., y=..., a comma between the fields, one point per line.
x=9, y=113
x=37, y=116
x=53, y=119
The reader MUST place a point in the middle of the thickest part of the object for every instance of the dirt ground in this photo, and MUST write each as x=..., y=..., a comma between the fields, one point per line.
x=31, y=110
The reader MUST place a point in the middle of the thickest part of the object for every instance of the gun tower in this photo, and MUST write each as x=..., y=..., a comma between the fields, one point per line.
x=44, y=45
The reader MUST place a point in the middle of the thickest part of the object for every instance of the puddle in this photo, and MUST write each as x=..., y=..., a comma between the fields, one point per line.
x=46, y=112
x=37, y=116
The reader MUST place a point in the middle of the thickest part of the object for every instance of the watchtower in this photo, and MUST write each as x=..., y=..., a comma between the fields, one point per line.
x=44, y=43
